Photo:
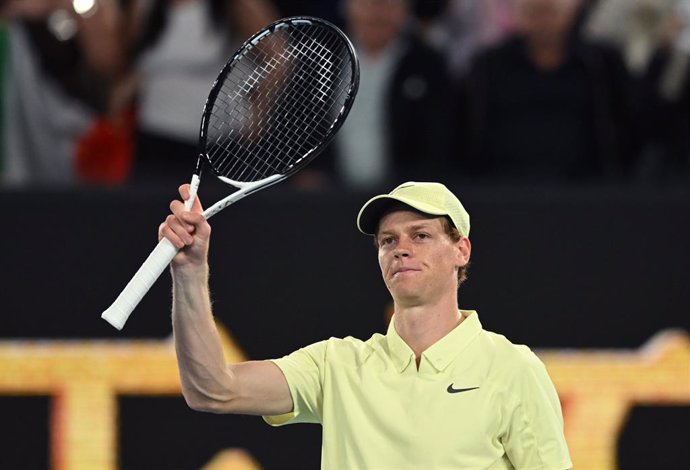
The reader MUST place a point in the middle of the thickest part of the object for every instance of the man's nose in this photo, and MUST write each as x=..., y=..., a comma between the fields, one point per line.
x=402, y=250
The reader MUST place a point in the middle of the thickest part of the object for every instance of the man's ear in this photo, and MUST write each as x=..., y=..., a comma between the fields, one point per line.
x=464, y=250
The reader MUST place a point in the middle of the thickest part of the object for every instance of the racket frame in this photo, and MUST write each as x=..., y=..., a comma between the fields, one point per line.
x=118, y=313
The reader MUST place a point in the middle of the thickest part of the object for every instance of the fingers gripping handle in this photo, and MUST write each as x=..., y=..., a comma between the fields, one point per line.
x=193, y=188
x=118, y=313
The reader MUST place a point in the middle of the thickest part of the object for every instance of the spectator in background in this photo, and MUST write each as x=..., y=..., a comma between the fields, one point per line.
x=62, y=59
x=459, y=28
x=544, y=105
x=636, y=27
x=654, y=36
x=177, y=49
x=664, y=103
x=399, y=126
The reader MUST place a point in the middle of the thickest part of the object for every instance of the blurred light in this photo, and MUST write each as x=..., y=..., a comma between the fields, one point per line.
x=62, y=25
x=84, y=7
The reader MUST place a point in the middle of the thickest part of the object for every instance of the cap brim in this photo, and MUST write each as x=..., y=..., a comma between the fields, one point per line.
x=371, y=212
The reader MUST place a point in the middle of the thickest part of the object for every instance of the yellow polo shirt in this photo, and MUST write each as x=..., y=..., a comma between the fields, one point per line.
x=477, y=402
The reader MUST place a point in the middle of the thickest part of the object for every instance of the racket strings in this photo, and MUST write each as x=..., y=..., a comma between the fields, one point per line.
x=296, y=107
x=281, y=99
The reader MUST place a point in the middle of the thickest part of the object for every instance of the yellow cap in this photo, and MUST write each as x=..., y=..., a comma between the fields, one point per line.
x=429, y=198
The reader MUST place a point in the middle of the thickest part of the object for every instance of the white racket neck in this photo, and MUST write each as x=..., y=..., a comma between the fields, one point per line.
x=244, y=190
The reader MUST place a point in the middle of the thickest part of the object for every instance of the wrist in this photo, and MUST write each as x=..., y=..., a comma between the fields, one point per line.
x=187, y=272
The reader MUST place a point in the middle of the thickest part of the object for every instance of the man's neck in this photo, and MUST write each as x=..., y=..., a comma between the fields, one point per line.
x=422, y=326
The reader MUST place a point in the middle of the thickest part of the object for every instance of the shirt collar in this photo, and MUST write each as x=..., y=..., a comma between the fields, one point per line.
x=439, y=354
x=444, y=351
x=401, y=354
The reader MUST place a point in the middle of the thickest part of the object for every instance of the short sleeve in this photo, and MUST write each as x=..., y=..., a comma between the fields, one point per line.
x=534, y=438
x=303, y=370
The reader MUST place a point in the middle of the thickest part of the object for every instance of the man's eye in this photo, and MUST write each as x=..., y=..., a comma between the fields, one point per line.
x=386, y=241
x=423, y=236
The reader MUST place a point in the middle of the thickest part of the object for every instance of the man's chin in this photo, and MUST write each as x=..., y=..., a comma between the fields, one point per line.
x=405, y=298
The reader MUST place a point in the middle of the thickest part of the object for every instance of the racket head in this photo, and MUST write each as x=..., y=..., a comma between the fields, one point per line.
x=279, y=101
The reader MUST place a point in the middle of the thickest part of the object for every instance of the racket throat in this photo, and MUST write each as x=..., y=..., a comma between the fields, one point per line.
x=244, y=190
x=251, y=187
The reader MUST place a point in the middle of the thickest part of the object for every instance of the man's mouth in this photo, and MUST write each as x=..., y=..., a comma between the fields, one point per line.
x=403, y=270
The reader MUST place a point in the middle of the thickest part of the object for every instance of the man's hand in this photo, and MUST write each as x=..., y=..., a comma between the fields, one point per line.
x=188, y=231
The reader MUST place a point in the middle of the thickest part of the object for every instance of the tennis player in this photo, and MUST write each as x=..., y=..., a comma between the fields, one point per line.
x=437, y=391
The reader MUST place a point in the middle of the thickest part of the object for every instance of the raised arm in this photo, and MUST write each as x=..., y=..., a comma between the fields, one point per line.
x=208, y=383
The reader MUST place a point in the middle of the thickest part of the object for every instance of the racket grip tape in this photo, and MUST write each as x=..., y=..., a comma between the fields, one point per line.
x=118, y=313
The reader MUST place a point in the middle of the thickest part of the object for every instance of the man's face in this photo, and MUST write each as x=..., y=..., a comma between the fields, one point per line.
x=418, y=259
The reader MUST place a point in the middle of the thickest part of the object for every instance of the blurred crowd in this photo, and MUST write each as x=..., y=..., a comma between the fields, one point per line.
x=110, y=92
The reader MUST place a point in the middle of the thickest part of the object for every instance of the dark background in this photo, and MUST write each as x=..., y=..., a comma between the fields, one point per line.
x=582, y=267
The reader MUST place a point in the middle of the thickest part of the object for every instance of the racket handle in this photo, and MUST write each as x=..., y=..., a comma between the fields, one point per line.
x=118, y=313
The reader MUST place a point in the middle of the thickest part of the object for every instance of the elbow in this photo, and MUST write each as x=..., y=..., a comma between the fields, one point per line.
x=196, y=404
x=208, y=404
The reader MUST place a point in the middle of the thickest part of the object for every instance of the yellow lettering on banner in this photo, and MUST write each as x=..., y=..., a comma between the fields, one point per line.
x=84, y=426
x=597, y=387
x=84, y=378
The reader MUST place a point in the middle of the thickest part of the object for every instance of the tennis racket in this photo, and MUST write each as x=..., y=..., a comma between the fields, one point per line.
x=274, y=106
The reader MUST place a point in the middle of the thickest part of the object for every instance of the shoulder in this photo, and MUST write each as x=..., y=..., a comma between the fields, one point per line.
x=531, y=415
x=508, y=359
x=348, y=349
x=356, y=349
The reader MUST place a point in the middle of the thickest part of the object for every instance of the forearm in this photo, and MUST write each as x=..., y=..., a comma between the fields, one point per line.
x=207, y=381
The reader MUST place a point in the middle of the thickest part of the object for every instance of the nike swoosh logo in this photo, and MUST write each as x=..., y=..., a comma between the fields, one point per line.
x=458, y=390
